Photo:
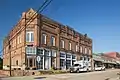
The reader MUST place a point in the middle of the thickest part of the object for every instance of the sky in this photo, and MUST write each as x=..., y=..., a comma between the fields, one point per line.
x=100, y=19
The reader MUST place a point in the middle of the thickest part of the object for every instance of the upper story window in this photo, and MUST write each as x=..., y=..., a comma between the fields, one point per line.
x=30, y=36
x=85, y=50
x=90, y=52
x=62, y=44
x=53, y=41
x=81, y=49
x=44, y=38
x=19, y=39
x=70, y=46
x=17, y=62
x=14, y=42
x=76, y=47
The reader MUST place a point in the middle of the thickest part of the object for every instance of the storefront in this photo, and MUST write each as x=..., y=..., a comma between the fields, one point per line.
x=66, y=60
x=48, y=59
x=45, y=59
x=39, y=58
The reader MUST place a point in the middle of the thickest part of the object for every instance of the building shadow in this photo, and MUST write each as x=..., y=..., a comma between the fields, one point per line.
x=39, y=77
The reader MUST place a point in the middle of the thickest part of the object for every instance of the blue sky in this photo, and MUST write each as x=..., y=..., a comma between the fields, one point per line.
x=100, y=19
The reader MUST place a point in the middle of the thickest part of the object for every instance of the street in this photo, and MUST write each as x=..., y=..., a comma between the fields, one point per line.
x=97, y=75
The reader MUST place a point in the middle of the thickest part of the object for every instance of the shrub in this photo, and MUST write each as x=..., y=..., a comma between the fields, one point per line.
x=53, y=72
x=27, y=68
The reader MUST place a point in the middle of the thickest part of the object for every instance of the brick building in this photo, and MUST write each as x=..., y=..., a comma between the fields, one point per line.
x=44, y=44
x=115, y=55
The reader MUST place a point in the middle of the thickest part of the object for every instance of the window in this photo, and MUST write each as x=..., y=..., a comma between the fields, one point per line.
x=73, y=57
x=62, y=44
x=53, y=41
x=47, y=53
x=81, y=49
x=70, y=46
x=40, y=51
x=68, y=56
x=68, y=64
x=62, y=55
x=85, y=50
x=44, y=36
x=18, y=39
x=29, y=36
x=32, y=37
x=54, y=53
x=76, y=48
x=62, y=63
x=17, y=62
x=90, y=51
x=81, y=58
x=85, y=58
x=88, y=59
x=14, y=42
x=31, y=50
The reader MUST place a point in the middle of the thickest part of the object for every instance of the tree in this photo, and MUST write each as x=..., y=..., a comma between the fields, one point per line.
x=1, y=63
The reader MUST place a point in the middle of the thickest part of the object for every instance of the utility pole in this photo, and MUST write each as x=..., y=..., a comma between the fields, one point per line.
x=10, y=56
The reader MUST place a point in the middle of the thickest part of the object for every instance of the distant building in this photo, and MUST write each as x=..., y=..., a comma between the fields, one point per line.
x=115, y=55
x=110, y=60
x=44, y=44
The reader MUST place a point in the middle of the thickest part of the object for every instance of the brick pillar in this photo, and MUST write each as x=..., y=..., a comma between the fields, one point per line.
x=28, y=62
x=33, y=62
x=58, y=60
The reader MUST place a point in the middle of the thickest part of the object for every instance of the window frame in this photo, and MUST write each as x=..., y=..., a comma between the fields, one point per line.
x=81, y=49
x=29, y=36
x=45, y=40
x=70, y=46
x=19, y=39
x=53, y=41
x=76, y=48
x=85, y=50
x=62, y=43
x=17, y=62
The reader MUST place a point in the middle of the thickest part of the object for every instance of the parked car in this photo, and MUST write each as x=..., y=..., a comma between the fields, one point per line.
x=99, y=68
x=80, y=66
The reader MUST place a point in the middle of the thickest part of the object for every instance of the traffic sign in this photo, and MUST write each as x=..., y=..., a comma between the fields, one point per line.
x=38, y=58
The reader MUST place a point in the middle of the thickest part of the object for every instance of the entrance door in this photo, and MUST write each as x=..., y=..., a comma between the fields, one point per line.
x=47, y=63
x=40, y=63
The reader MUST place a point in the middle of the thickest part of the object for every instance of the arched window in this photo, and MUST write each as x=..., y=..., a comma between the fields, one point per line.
x=17, y=62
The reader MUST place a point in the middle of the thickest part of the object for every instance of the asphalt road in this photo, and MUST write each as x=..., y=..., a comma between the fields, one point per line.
x=97, y=75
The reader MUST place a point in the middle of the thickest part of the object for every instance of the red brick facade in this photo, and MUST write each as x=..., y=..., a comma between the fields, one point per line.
x=39, y=26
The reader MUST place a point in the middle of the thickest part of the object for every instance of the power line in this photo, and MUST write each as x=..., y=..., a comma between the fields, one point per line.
x=42, y=7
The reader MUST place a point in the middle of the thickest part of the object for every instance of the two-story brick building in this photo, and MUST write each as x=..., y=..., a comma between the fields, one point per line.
x=43, y=44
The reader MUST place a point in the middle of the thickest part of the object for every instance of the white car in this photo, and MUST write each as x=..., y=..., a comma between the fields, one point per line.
x=99, y=68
